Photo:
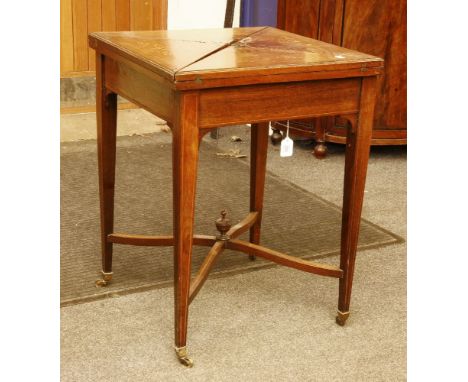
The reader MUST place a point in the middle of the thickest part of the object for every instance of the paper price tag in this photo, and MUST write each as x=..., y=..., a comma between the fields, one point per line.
x=286, y=149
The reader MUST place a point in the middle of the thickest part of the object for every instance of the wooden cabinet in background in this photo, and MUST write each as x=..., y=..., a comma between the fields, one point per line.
x=377, y=27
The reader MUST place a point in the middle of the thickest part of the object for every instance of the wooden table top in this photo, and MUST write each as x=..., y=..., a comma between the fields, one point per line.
x=194, y=57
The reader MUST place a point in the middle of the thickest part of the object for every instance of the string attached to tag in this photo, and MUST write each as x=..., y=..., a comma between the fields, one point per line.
x=286, y=149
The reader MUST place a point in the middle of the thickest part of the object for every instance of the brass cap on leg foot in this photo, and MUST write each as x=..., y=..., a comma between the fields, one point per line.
x=183, y=356
x=341, y=318
x=320, y=150
x=105, y=280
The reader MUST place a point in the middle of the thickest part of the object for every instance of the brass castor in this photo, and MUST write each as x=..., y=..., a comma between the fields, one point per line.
x=183, y=357
x=320, y=150
x=106, y=279
x=341, y=318
x=276, y=137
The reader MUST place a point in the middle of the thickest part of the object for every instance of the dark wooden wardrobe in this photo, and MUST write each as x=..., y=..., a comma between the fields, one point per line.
x=377, y=27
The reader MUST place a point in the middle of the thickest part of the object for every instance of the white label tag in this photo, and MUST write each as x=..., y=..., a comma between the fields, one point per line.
x=286, y=149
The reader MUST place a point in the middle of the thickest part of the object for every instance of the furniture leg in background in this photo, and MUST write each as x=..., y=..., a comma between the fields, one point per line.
x=258, y=158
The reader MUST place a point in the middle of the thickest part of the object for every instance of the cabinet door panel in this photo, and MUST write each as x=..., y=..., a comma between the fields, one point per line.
x=378, y=27
x=299, y=16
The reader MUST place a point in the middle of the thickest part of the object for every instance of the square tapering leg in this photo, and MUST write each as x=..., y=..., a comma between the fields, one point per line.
x=357, y=156
x=184, y=161
x=106, y=114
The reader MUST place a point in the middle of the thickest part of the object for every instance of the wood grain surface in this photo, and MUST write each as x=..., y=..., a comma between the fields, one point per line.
x=196, y=56
x=66, y=36
x=80, y=17
x=166, y=52
x=388, y=19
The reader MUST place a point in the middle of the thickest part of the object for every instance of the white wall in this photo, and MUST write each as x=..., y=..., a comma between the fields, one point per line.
x=193, y=14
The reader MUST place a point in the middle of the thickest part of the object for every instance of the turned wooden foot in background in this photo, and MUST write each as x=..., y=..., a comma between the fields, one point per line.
x=276, y=137
x=320, y=150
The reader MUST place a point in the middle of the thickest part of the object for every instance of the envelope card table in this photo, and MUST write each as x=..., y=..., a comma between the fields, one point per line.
x=199, y=80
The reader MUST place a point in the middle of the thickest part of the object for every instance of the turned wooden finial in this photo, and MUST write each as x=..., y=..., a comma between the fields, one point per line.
x=223, y=225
